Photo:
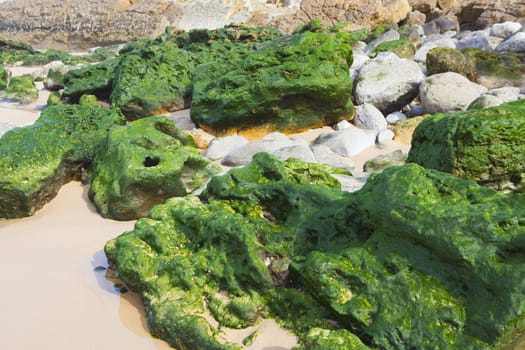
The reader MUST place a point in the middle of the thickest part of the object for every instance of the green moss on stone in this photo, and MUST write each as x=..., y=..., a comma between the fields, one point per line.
x=403, y=48
x=152, y=81
x=416, y=259
x=143, y=164
x=292, y=83
x=54, y=99
x=483, y=145
x=490, y=67
x=21, y=89
x=36, y=160
x=94, y=79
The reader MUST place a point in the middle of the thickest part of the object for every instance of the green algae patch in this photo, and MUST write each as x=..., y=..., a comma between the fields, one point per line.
x=153, y=80
x=144, y=163
x=20, y=89
x=482, y=145
x=490, y=68
x=403, y=48
x=290, y=84
x=416, y=259
x=94, y=79
x=36, y=160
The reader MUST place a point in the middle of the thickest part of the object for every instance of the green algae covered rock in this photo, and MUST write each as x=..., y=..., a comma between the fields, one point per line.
x=403, y=48
x=490, y=68
x=21, y=89
x=36, y=160
x=94, y=79
x=483, y=145
x=143, y=164
x=289, y=84
x=417, y=259
x=153, y=80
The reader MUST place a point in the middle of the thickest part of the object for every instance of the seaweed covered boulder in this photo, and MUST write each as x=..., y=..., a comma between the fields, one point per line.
x=482, y=145
x=416, y=259
x=94, y=79
x=36, y=160
x=143, y=164
x=153, y=80
x=490, y=68
x=20, y=89
x=288, y=84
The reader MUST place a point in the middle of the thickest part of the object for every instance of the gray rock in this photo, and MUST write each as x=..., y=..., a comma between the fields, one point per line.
x=367, y=116
x=360, y=59
x=384, y=137
x=448, y=92
x=421, y=53
x=441, y=25
x=220, y=147
x=348, y=142
x=301, y=152
x=388, y=82
x=485, y=101
x=505, y=29
x=478, y=39
x=507, y=93
x=389, y=35
x=270, y=143
x=325, y=155
x=381, y=162
x=394, y=117
x=515, y=43
x=414, y=110
x=343, y=124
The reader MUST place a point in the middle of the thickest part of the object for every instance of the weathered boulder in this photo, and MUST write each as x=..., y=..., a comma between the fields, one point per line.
x=144, y=163
x=289, y=84
x=506, y=29
x=153, y=81
x=489, y=68
x=347, y=142
x=482, y=145
x=484, y=13
x=381, y=162
x=388, y=82
x=448, y=92
x=404, y=129
x=36, y=160
x=515, y=43
x=94, y=79
x=496, y=97
x=416, y=253
x=367, y=116
x=20, y=89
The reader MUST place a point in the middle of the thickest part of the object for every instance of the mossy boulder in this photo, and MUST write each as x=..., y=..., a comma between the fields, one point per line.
x=20, y=89
x=403, y=48
x=94, y=79
x=289, y=84
x=143, y=164
x=36, y=160
x=489, y=68
x=482, y=145
x=416, y=259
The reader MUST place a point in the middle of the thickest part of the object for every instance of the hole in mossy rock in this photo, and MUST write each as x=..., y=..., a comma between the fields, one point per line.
x=515, y=179
x=151, y=162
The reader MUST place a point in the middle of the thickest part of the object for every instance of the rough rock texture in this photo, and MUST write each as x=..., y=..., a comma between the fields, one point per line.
x=484, y=13
x=36, y=160
x=388, y=82
x=289, y=84
x=358, y=13
x=489, y=68
x=482, y=145
x=143, y=164
x=416, y=259
x=448, y=92
x=83, y=24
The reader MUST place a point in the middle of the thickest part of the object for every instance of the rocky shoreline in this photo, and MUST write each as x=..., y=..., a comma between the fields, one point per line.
x=406, y=261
